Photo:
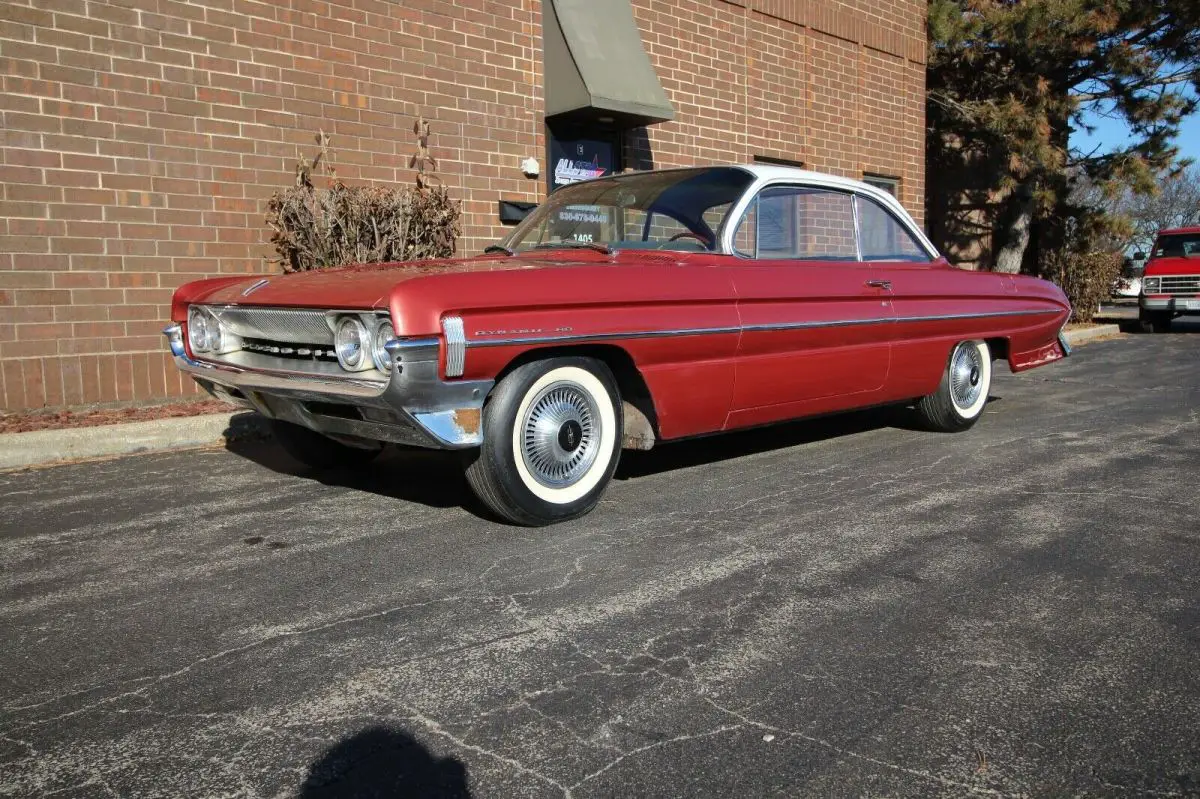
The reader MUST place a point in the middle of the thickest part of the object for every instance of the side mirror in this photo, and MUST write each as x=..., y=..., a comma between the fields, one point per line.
x=1139, y=256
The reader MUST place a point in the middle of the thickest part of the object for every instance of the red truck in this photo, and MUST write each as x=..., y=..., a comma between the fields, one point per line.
x=1171, y=282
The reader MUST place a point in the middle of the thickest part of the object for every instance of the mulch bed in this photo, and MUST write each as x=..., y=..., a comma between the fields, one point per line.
x=57, y=420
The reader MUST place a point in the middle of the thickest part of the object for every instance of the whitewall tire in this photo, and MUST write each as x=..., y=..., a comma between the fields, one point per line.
x=963, y=391
x=552, y=438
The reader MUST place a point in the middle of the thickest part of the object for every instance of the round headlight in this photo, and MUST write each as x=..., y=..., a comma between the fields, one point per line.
x=216, y=336
x=198, y=330
x=353, y=344
x=384, y=333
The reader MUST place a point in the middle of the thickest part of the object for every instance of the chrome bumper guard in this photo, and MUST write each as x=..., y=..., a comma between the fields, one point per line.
x=414, y=406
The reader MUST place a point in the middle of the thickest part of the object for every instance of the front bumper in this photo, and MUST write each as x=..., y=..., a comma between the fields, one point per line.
x=1173, y=305
x=414, y=406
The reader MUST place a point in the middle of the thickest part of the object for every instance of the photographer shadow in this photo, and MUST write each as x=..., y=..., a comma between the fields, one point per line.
x=382, y=762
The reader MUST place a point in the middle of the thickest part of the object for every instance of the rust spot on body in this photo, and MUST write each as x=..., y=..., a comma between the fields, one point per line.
x=467, y=420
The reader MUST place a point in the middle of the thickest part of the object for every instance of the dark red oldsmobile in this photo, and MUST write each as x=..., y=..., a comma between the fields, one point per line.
x=624, y=311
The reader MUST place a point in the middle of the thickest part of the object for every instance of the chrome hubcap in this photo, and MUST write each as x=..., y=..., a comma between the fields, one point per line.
x=966, y=373
x=560, y=435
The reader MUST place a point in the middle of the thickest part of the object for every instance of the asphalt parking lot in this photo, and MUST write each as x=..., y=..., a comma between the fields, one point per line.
x=845, y=606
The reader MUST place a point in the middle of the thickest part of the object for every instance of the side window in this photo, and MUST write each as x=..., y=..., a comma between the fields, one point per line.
x=883, y=238
x=714, y=216
x=664, y=228
x=794, y=222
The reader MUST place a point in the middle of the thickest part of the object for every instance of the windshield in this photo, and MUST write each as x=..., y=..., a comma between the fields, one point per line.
x=1177, y=245
x=682, y=209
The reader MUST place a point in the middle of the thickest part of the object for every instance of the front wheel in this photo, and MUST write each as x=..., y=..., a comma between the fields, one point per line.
x=960, y=397
x=552, y=438
x=1155, y=322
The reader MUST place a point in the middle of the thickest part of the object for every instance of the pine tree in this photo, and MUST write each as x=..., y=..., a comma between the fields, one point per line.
x=1008, y=80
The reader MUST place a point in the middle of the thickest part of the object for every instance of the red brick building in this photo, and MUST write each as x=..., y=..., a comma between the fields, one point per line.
x=141, y=138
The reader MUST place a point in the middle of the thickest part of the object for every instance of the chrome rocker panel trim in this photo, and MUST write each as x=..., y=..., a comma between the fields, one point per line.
x=414, y=406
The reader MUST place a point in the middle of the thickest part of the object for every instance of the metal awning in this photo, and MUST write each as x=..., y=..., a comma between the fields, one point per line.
x=596, y=65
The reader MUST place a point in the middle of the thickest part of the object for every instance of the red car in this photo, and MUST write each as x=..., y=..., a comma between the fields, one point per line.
x=624, y=311
x=1171, y=282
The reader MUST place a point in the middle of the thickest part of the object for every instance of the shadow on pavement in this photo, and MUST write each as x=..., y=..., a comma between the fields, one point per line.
x=423, y=476
x=725, y=446
x=436, y=479
x=1129, y=322
x=384, y=762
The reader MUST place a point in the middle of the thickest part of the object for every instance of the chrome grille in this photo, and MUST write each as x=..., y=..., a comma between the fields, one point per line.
x=286, y=325
x=297, y=351
x=1179, y=284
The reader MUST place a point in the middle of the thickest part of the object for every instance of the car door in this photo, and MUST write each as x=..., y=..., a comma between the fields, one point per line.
x=935, y=305
x=814, y=318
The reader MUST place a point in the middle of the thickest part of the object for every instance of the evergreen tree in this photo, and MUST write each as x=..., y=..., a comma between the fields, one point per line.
x=1008, y=80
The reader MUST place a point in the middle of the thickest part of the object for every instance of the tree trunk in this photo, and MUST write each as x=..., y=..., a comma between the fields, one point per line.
x=1016, y=234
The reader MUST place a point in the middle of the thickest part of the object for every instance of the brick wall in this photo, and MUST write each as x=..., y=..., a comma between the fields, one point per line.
x=141, y=138
x=836, y=86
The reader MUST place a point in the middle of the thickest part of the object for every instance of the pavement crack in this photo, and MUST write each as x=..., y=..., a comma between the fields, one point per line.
x=920, y=773
x=656, y=745
x=434, y=727
x=151, y=681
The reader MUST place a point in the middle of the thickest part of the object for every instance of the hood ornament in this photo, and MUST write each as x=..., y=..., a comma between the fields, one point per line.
x=251, y=289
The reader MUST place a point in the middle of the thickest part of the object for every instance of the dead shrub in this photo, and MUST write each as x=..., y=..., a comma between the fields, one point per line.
x=317, y=228
x=1085, y=277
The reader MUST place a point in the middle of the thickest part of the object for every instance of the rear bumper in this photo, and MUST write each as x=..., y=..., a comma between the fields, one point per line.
x=414, y=406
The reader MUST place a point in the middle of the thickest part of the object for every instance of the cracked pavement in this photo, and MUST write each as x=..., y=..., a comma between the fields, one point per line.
x=844, y=606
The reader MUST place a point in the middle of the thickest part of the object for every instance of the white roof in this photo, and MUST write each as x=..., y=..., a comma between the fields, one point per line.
x=772, y=173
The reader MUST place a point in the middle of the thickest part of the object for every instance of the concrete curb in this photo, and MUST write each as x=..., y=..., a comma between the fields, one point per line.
x=46, y=447
x=1086, y=335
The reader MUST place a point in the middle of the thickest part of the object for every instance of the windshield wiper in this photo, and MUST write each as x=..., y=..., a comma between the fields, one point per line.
x=562, y=245
x=491, y=248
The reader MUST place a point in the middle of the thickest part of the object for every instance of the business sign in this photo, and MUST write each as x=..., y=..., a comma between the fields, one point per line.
x=573, y=160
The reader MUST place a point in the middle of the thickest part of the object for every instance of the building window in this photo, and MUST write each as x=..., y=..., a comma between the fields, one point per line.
x=890, y=185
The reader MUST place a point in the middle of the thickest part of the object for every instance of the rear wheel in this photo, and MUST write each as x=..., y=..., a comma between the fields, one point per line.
x=319, y=451
x=960, y=397
x=1155, y=322
x=552, y=438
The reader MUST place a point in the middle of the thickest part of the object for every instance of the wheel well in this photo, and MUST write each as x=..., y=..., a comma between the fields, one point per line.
x=630, y=383
x=998, y=348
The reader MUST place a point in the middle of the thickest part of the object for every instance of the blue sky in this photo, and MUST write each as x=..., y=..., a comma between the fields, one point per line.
x=1111, y=133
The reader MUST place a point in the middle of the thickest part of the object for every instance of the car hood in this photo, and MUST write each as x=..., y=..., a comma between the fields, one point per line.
x=363, y=286
x=1173, y=266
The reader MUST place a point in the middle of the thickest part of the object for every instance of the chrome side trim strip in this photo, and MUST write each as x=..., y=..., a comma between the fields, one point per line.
x=694, y=331
x=456, y=345
x=884, y=320
x=710, y=331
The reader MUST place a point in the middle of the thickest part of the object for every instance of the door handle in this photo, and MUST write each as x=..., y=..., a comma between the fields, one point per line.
x=886, y=285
